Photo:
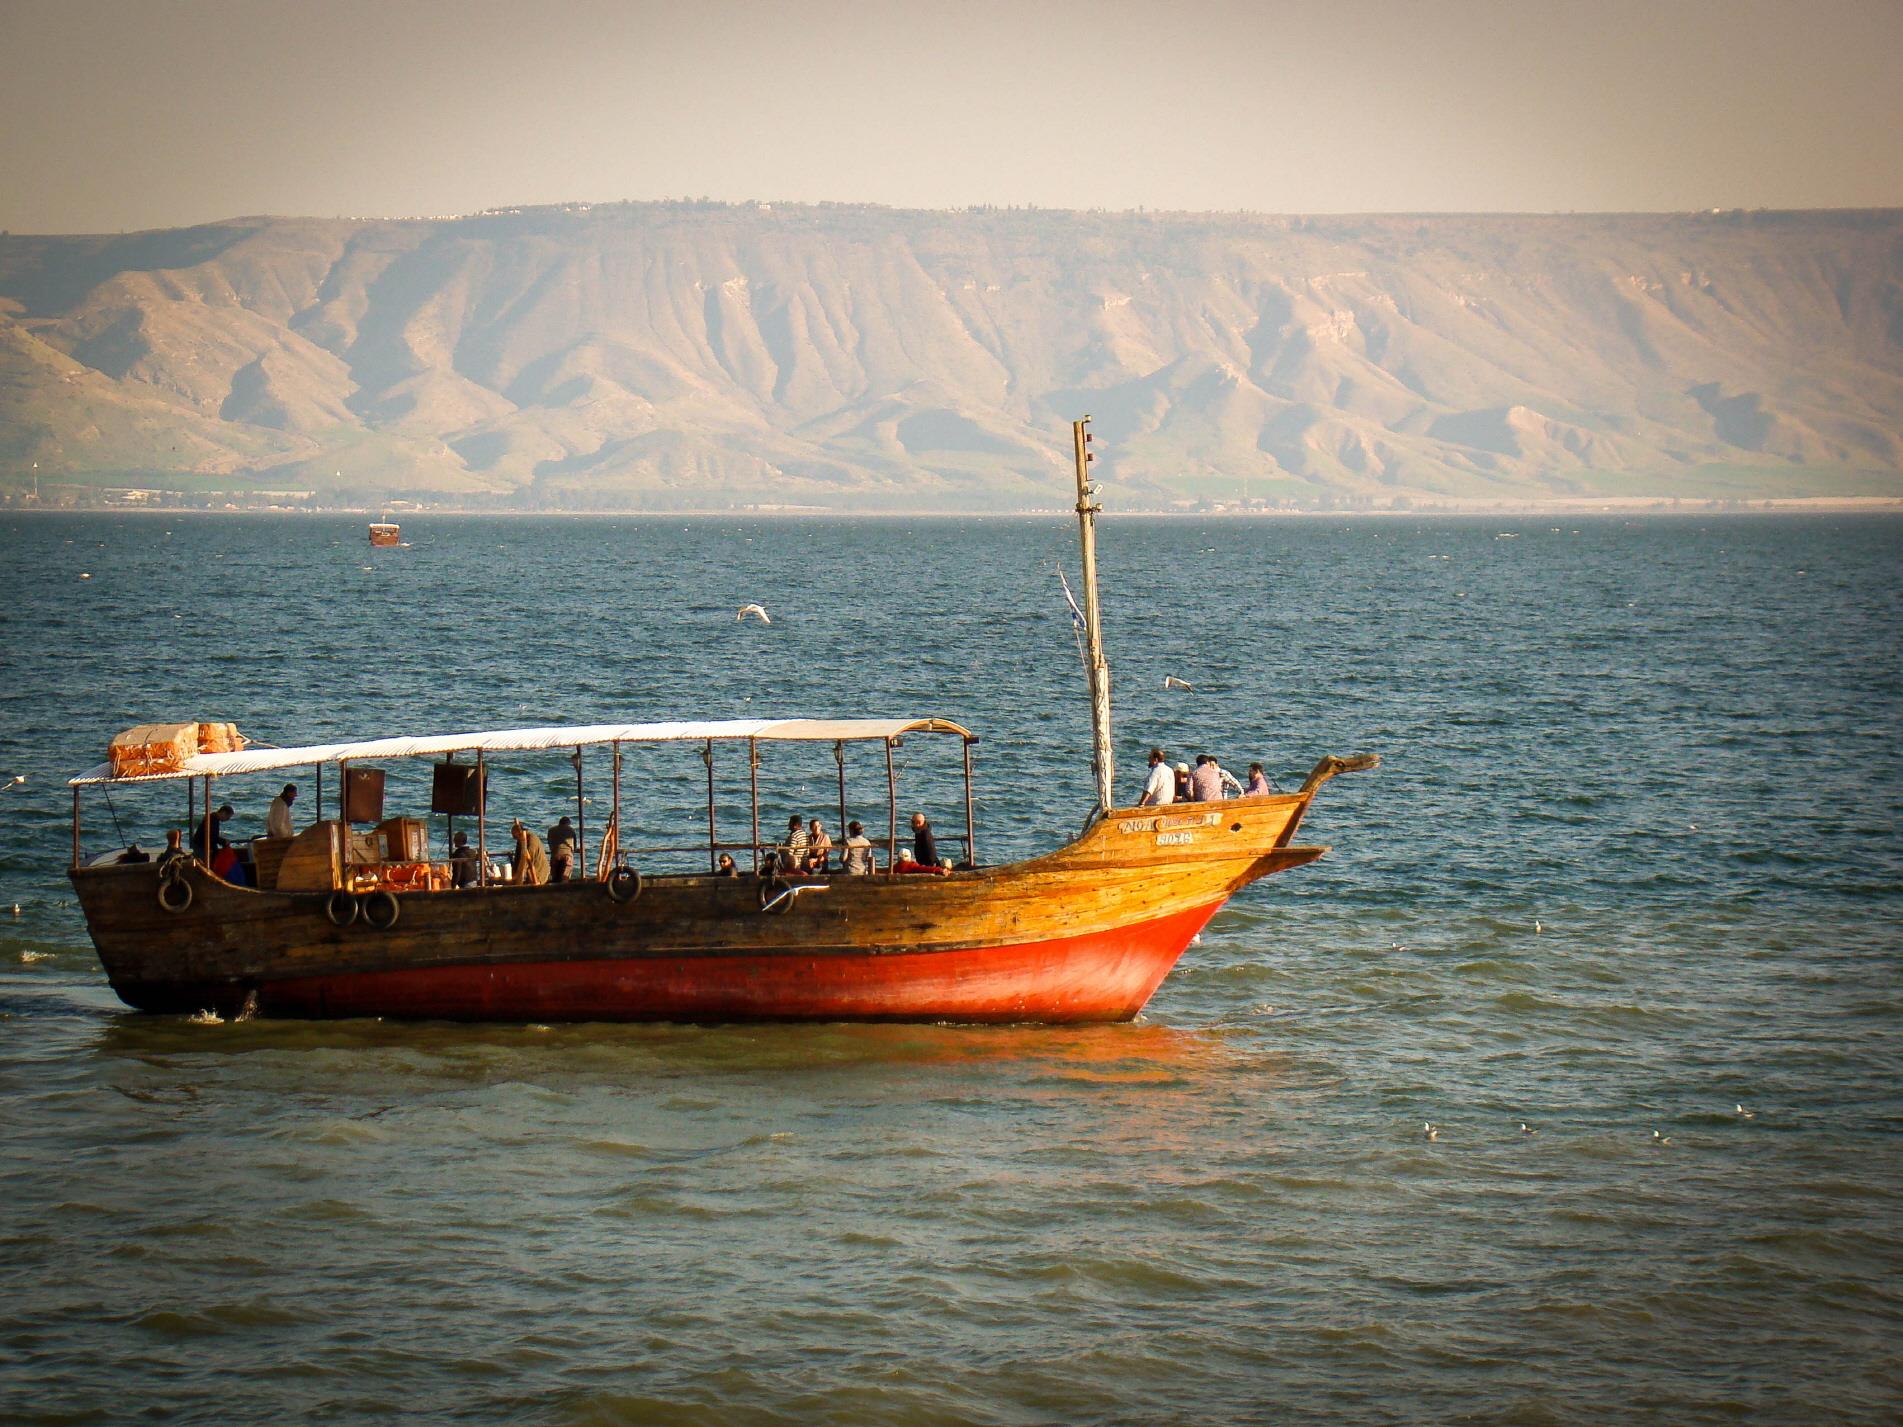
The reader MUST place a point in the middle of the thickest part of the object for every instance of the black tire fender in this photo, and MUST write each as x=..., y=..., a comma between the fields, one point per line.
x=776, y=896
x=624, y=883
x=342, y=907
x=175, y=893
x=381, y=909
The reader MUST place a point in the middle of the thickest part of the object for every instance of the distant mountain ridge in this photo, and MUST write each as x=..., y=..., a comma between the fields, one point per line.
x=680, y=355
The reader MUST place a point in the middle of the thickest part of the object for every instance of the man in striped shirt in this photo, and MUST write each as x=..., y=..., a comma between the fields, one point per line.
x=793, y=845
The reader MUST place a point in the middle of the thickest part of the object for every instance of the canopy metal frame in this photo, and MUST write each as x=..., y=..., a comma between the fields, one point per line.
x=838, y=732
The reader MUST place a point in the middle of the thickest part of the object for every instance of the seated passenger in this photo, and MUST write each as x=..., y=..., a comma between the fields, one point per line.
x=133, y=853
x=174, y=851
x=1185, y=791
x=462, y=862
x=225, y=864
x=725, y=867
x=859, y=860
x=792, y=849
x=819, y=849
x=1259, y=784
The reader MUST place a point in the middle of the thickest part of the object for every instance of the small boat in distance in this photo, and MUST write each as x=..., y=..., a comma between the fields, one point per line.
x=333, y=921
x=385, y=532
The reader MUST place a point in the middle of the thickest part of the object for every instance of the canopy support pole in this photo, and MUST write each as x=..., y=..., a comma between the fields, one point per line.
x=208, y=820
x=891, y=809
x=971, y=817
x=713, y=832
x=76, y=826
x=320, y=792
x=839, y=757
x=191, y=809
x=753, y=776
x=482, y=820
x=614, y=814
x=581, y=822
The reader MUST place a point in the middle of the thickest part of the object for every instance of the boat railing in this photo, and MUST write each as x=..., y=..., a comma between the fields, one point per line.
x=764, y=854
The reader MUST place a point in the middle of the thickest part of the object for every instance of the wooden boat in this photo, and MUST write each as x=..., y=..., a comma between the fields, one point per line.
x=351, y=924
x=385, y=532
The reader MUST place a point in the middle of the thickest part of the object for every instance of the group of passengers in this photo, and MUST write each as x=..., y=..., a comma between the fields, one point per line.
x=535, y=862
x=808, y=850
x=224, y=857
x=1207, y=782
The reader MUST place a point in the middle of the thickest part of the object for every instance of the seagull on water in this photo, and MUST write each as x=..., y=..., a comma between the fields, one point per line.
x=757, y=611
x=1744, y=1114
x=1170, y=681
x=1430, y=1130
x=1661, y=1139
x=1527, y=1129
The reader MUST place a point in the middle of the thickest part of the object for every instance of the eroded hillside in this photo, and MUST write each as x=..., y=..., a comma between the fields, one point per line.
x=674, y=355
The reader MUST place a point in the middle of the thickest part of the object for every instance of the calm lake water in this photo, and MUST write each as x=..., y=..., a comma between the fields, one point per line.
x=1633, y=859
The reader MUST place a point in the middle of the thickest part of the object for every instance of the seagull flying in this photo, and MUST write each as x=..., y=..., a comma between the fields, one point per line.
x=1170, y=681
x=757, y=611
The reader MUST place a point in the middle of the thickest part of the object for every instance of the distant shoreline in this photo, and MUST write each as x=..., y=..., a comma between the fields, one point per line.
x=1571, y=505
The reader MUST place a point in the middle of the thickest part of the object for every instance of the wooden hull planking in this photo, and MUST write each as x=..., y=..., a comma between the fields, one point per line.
x=1085, y=933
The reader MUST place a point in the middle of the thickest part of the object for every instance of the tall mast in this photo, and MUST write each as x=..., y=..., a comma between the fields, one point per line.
x=1097, y=669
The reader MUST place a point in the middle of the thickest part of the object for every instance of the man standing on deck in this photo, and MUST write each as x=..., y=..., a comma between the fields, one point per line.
x=462, y=862
x=924, y=845
x=531, y=857
x=1208, y=782
x=277, y=820
x=558, y=836
x=858, y=851
x=209, y=835
x=1161, y=788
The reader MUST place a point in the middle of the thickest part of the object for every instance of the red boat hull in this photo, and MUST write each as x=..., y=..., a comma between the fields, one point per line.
x=1098, y=976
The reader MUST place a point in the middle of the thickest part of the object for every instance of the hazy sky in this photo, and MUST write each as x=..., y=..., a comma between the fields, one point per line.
x=151, y=114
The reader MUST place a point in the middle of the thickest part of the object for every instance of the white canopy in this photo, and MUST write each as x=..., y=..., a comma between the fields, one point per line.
x=803, y=730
